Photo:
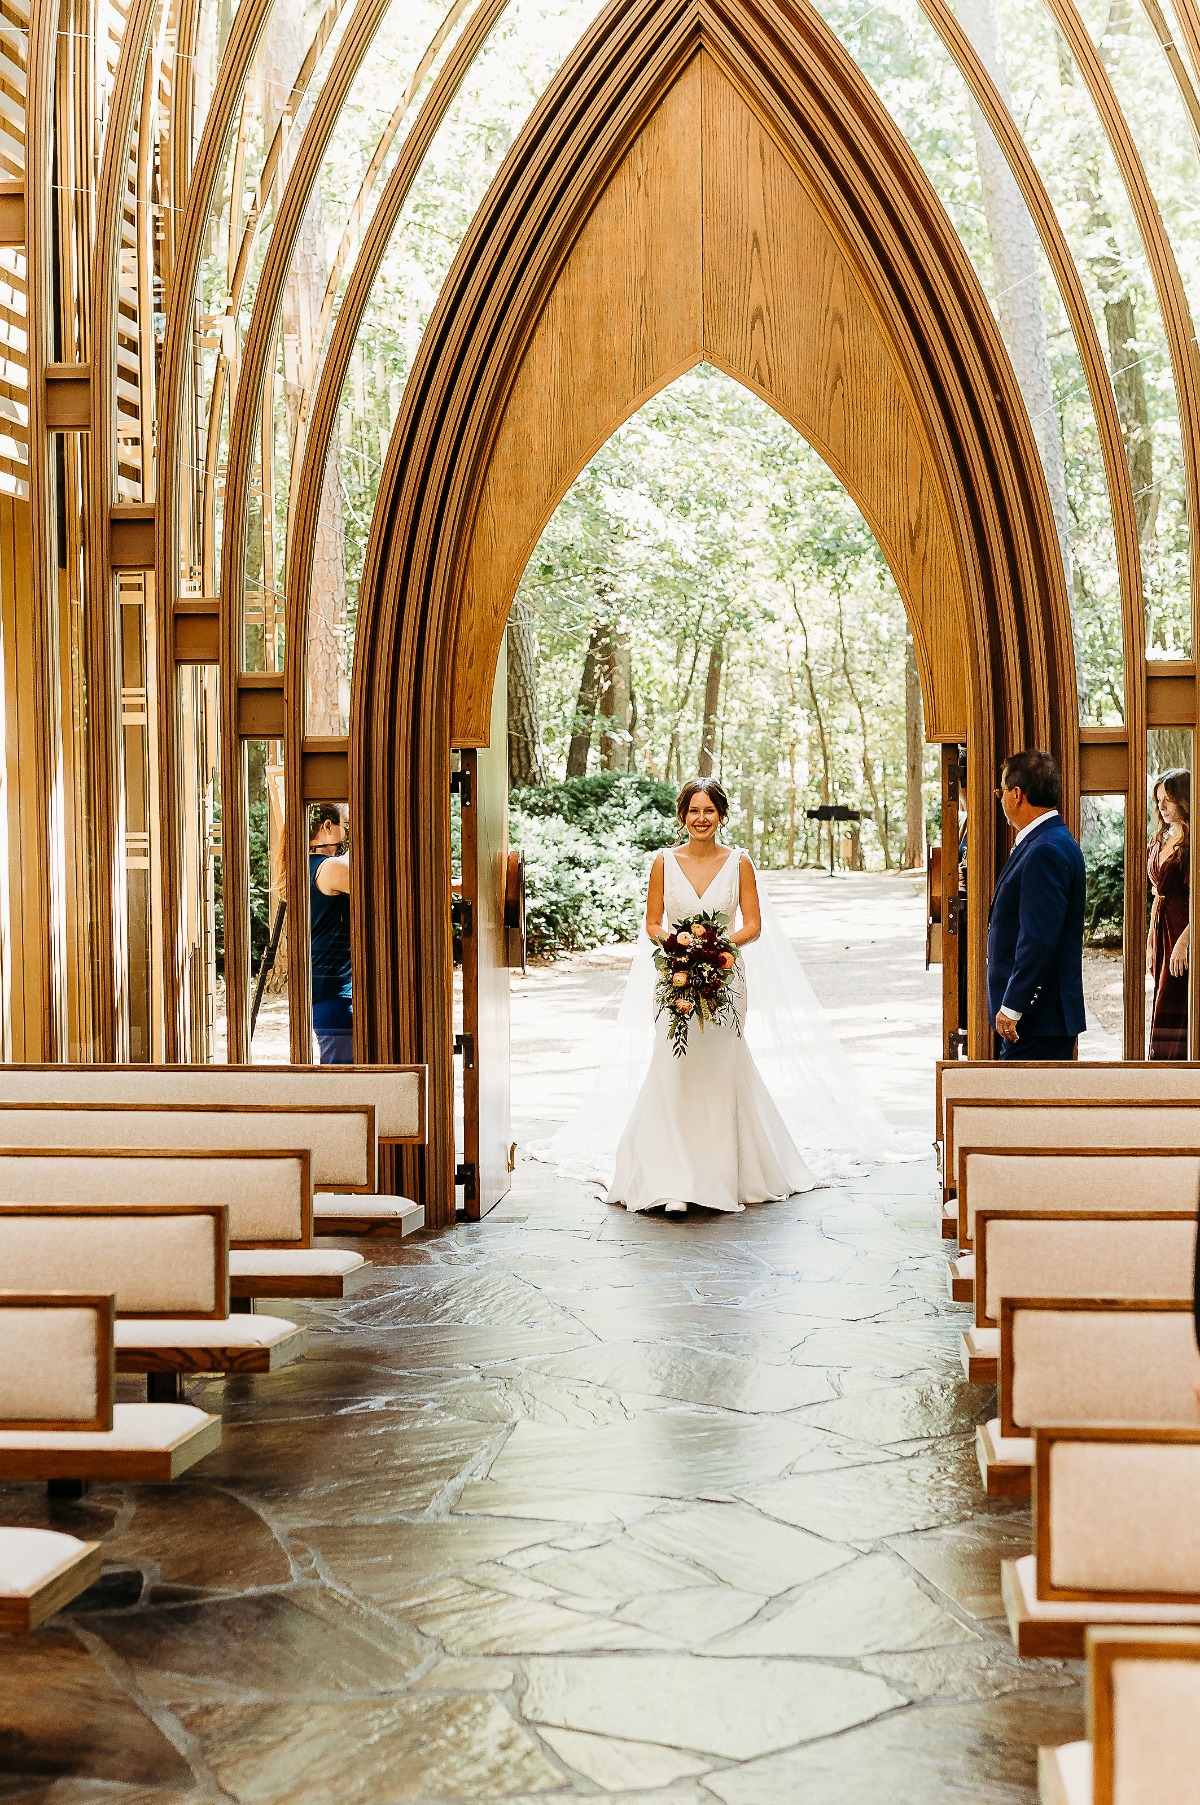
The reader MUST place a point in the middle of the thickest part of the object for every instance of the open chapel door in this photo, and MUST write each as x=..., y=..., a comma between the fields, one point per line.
x=487, y=1131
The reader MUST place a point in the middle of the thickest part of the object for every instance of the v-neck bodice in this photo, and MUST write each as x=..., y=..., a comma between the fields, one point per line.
x=681, y=898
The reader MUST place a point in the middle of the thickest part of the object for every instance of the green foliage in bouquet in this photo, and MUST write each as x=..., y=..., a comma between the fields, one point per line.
x=587, y=844
x=696, y=963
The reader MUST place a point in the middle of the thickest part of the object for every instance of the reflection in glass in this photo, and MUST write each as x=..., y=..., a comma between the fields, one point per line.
x=1169, y=758
x=329, y=933
x=1102, y=837
x=269, y=1040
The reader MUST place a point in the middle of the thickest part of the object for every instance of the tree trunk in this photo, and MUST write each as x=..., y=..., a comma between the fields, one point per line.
x=615, y=689
x=914, y=762
x=712, y=705
x=525, y=765
x=881, y=823
x=1014, y=246
x=585, y=707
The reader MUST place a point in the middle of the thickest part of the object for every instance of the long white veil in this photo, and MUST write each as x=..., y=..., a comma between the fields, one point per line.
x=828, y=1112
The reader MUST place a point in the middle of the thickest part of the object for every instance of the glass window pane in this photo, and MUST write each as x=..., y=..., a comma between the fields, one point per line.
x=1102, y=837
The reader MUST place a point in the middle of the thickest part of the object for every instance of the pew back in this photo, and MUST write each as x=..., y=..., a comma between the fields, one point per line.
x=341, y=1142
x=1040, y=1179
x=1084, y=1361
x=1064, y=1253
x=1115, y=1517
x=1015, y=1081
x=1080, y=1122
x=56, y=1361
x=395, y=1092
x=1143, y=1714
x=268, y=1195
x=157, y=1260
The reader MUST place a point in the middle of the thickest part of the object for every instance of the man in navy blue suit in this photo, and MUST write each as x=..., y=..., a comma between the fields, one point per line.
x=1035, y=929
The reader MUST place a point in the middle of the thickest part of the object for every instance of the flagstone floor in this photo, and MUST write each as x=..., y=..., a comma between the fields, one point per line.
x=570, y=1504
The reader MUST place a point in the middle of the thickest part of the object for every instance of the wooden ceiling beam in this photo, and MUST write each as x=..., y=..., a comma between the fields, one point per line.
x=68, y=397
x=12, y=213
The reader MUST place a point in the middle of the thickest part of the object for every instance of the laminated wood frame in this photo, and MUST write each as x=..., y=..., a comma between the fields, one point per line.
x=815, y=107
x=811, y=101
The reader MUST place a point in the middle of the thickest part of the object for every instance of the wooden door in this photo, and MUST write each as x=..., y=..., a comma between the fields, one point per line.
x=487, y=1129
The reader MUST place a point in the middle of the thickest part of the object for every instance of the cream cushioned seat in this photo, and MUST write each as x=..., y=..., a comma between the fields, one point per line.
x=41, y=1570
x=152, y=1442
x=29, y=1556
x=348, y=1212
x=1005, y=1461
x=1047, y=1626
x=980, y=1355
x=223, y=1331
x=297, y=1272
x=1065, y=1774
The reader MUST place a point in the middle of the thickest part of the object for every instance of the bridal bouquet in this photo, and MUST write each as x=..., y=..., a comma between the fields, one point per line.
x=695, y=970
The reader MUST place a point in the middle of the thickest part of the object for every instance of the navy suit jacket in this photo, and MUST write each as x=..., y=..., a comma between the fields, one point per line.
x=1035, y=934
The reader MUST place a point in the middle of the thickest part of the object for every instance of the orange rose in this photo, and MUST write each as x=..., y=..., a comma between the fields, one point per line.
x=679, y=980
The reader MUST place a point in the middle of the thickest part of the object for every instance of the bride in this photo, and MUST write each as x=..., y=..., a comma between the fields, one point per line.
x=716, y=1127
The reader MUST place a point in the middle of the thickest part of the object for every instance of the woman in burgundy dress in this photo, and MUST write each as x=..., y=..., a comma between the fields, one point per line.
x=1170, y=933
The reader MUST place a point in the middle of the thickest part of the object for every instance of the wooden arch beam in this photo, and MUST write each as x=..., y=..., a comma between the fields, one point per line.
x=1118, y=478
x=173, y=432
x=310, y=485
x=364, y=21
x=107, y=940
x=824, y=120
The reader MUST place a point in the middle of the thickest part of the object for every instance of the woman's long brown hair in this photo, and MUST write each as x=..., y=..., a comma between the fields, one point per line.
x=1178, y=786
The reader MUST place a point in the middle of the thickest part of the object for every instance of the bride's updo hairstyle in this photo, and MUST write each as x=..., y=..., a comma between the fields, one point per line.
x=707, y=786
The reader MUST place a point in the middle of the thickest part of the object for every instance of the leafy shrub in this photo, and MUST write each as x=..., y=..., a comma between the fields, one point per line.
x=587, y=845
x=1104, y=909
x=258, y=837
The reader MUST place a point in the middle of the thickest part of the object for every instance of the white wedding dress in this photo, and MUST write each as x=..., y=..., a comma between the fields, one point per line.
x=737, y=1118
x=704, y=1129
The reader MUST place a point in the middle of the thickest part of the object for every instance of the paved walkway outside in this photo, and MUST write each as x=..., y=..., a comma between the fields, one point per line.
x=574, y=1504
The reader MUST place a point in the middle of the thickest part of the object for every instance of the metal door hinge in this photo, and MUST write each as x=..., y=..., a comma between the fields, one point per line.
x=460, y=786
x=464, y=1175
x=465, y=1044
x=956, y=914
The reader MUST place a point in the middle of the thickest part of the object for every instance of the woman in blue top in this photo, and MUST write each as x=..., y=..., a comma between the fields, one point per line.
x=329, y=913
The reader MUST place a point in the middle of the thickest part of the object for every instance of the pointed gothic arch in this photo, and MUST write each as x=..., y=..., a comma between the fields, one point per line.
x=705, y=179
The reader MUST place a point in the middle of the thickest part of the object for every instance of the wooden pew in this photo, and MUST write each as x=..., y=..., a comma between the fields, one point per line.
x=1016, y=1081
x=166, y=1267
x=340, y=1140
x=1085, y=1362
x=1116, y=1537
x=395, y=1094
x=268, y=1196
x=58, y=1421
x=41, y=1570
x=1135, y=1172
x=1068, y=1253
x=1143, y=1722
